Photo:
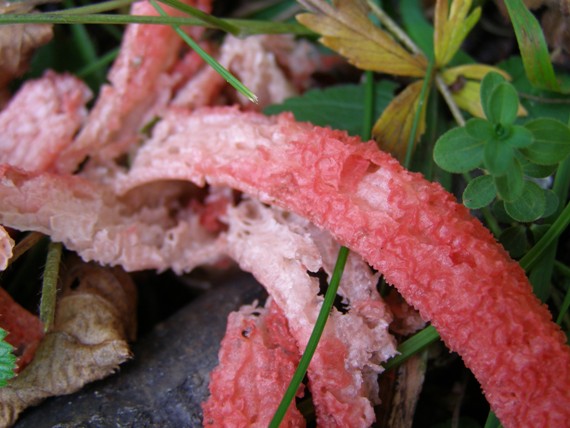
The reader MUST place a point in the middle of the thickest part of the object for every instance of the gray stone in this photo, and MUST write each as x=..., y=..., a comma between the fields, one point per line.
x=166, y=381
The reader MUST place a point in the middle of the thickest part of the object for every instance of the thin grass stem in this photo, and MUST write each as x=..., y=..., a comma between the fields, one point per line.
x=564, y=307
x=313, y=340
x=534, y=254
x=444, y=90
x=246, y=27
x=204, y=17
x=330, y=295
x=394, y=28
x=96, y=8
x=86, y=47
x=99, y=63
x=413, y=345
x=230, y=78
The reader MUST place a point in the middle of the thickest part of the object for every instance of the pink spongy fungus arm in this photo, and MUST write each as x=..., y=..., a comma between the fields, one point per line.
x=443, y=261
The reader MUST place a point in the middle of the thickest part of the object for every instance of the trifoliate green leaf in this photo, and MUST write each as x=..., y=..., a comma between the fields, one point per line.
x=498, y=157
x=537, y=171
x=519, y=137
x=480, y=129
x=538, y=103
x=488, y=85
x=480, y=192
x=530, y=206
x=456, y=151
x=551, y=141
x=503, y=105
x=552, y=203
x=510, y=185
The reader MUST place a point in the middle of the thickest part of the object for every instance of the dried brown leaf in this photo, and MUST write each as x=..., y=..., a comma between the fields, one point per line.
x=346, y=29
x=94, y=321
x=18, y=42
x=393, y=129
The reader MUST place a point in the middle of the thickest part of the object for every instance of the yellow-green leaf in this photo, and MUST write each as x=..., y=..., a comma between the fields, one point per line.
x=464, y=83
x=393, y=128
x=451, y=28
x=346, y=29
x=472, y=72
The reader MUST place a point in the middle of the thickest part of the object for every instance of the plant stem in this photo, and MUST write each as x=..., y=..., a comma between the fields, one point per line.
x=313, y=340
x=492, y=421
x=444, y=90
x=330, y=295
x=24, y=245
x=230, y=78
x=85, y=46
x=414, y=344
x=394, y=28
x=247, y=27
x=99, y=63
x=564, y=307
x=206, y=18
x=49, y=286
x=533, y=255
x=95, y=8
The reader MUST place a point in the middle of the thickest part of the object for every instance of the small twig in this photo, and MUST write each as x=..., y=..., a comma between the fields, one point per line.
x=24, y=245
x=444, y=90
x=394, y=28
x=544, y=100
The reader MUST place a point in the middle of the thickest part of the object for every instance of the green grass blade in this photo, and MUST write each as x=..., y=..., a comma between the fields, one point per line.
x=564, y=308
x=230, y=78
x=413, y=345
x=532, y=46
x=368, y=120
x=204, y=17
x=534, y=254
x=313, y=340
x=49, y=286
x=98, y=64
x=492, y=421
x=246, y=27
x=86, y=48
x=95, y=8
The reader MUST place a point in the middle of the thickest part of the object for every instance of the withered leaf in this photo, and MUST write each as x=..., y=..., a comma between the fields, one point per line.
x=393, y=128
x=464, y=83
x=18, y=42
x=346, y=29
x=94, y=321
